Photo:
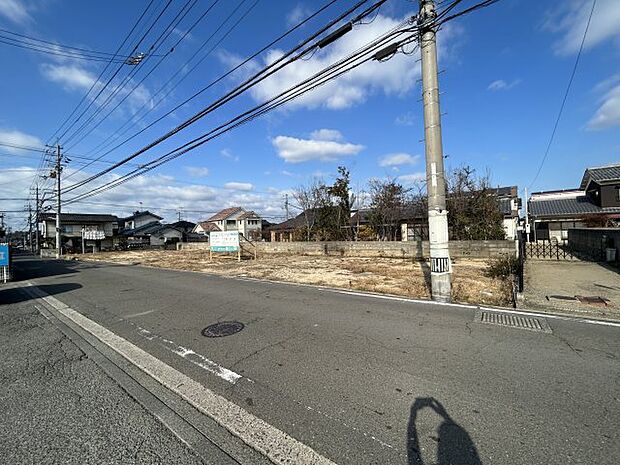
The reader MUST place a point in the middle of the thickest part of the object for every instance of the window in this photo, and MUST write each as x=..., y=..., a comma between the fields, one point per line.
x=618, y=193
x=231, y=222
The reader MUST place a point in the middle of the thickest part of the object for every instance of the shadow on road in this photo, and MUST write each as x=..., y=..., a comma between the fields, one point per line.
x=16, y=294
x=454, y=445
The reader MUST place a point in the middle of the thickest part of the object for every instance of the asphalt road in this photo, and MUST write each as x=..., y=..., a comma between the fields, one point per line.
x=366, y=380
x=59, y=407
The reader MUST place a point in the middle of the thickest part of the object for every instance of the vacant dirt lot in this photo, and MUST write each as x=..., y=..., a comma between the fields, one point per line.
x=385, y=275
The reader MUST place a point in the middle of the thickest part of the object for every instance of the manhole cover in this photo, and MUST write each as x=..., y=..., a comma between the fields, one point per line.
x=225, y=328
x=513, y=321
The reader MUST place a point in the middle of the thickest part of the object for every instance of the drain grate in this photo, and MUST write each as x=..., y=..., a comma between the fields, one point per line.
x=225, y=328
x=512, y=321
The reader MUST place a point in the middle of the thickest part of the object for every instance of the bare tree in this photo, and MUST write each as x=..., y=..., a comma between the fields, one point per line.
x=310, y=197
x=387, y=204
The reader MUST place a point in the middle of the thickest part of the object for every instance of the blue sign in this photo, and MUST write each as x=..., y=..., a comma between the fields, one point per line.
x=224, y=248
x=4, y=255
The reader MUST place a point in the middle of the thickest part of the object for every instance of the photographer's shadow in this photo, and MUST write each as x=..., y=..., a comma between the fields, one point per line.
x=454, y=445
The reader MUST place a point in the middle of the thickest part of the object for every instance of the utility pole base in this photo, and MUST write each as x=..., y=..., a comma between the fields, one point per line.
x=440, y=287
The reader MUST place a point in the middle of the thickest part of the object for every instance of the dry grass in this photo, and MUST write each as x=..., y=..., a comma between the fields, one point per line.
x=383, y=275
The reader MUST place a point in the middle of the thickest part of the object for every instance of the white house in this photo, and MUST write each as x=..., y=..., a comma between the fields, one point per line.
x=247, y=223
x=139, y=219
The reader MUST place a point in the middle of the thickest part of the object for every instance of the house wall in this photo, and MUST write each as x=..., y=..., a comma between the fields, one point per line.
x=142, y=220
x=75, y=229
x=587, y=240
x=167, y=235
x=396, y=249
x=609, y=195
x=510, y=228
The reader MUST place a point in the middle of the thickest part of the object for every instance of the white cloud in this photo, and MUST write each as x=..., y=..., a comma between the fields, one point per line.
x=197, y=171
x=297, y=14
x=570, y=18
x=294, y=150
x=16, y=137
x=239, y=186
x=15, y=11
x=608, y=114
x=394, y=77
x=406, y=119
x=326, y=134
x=71, y=77
x=500, y=84
x=412, y=178
x=76, y=78
x=227, y=153
x=397, y=159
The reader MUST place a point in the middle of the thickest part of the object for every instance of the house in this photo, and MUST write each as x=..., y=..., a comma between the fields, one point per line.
x=139, y=219
x=595, y=203
x=98, y=231
x=509, y=205
x=152, y=234
x=414, y=225
x=247, y=223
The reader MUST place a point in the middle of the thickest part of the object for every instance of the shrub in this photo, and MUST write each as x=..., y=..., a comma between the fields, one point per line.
x=502, y=267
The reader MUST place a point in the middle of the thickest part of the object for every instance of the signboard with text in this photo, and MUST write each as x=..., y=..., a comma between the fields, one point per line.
x=4, y=255
x=224, y=241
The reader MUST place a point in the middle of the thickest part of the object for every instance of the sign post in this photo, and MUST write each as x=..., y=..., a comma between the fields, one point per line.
x=4, y=261
x=224, y=241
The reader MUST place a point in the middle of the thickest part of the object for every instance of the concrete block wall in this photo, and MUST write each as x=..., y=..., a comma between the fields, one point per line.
x=588, y=240
x=410, y=249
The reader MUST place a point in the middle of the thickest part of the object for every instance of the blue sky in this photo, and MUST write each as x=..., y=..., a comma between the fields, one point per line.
x=505, y=70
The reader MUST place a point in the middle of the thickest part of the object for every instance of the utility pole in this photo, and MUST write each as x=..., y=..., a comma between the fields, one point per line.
x=37, y=208
x=286, y=205
x=58, y=171
x=441, y=267
x=30, y=227
x=527, y=219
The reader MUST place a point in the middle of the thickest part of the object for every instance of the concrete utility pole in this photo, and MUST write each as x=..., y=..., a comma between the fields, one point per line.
x=30, y=228
x=58, y=171
x=37, y=208
x=441, y=267
x=286, y=205
x=527, y=219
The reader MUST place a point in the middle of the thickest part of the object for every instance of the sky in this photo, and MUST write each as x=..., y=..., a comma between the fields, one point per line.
x=504, y=72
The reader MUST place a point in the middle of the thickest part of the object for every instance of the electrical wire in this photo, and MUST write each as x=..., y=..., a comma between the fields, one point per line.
x=568, y=87
x=173, y=47
x=216, y=81
x=258, y=77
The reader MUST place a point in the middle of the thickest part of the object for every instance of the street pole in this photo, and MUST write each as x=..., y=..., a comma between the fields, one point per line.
x=527, y=219
x=30, y=228
x=58, y=170
x=441, y=268
x=36, y=219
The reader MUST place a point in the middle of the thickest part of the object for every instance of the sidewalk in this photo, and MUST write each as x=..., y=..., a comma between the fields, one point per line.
x=554, y=285
x=58, y=406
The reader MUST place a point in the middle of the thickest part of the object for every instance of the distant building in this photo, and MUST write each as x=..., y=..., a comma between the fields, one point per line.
x=595, y=203
x=99, y=231
x=247, y=223
x=139, y=219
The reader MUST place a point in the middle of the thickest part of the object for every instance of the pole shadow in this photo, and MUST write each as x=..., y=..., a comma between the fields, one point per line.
x=16, y=295
x=454, y=444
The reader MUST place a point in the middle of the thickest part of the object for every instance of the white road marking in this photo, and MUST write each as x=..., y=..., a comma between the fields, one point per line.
x=193, y=357
x=576, y=319
x=276, y=445
x=140, y=314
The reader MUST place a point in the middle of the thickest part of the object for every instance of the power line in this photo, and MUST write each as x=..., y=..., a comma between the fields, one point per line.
x=291, y=93
x=132, y=122
x=261, y=75
x=224, y=76
x=568, y=87
x=172, y=48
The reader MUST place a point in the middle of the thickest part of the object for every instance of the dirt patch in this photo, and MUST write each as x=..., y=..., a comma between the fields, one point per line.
x=384, y=275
